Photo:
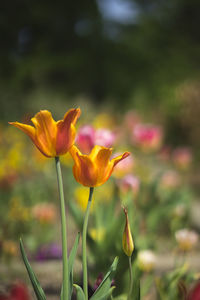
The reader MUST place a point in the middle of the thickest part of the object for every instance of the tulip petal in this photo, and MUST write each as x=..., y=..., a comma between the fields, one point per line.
x=28, y=129
x=117, y=159
x=73, y=151
x=102, y=164
x=102, y=157
x=85, y=172
x=66, y=131
x=46, y=130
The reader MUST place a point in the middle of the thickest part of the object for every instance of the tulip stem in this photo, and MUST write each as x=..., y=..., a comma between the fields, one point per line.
x=84, y=238
x=64, y=231
x=131, y=279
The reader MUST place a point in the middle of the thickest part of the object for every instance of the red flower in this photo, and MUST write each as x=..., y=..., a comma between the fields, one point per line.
x=194, y=294
x=17, y=292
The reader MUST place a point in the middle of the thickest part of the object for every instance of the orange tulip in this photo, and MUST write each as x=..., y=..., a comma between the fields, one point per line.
x=94, y=169
x=50, y=137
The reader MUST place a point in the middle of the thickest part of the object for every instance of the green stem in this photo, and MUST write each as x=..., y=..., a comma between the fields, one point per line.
x=64, y=231
x=131, y=279
x=84, y=238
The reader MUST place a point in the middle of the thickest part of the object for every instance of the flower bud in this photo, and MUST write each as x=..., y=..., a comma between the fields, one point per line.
x=127, y=241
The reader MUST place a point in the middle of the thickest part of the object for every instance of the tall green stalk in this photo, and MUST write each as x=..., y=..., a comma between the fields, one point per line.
x=64, y=232
x=84, y=250
x=131, y=279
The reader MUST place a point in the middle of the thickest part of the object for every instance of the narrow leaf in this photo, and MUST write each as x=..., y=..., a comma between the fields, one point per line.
x=79, y=292
x=108, y=294
x=71, y=264
x=35, y=283
x=105, y=285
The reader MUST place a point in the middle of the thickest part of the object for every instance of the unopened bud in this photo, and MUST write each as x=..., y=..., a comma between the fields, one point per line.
x=127, y=241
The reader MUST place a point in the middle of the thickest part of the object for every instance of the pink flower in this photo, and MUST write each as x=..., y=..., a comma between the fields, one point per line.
x=85, y=139
x=147, y=137
x=170, y=180
x=182, y=157
x=129, y=183
x=104, y=137
x=88, y=137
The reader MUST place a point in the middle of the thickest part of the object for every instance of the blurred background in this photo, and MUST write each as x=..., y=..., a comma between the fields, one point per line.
x=122, y=54
x=133, y=66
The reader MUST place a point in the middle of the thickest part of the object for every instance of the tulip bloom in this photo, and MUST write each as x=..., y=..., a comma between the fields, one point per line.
x=94, y=169
x=50, y=137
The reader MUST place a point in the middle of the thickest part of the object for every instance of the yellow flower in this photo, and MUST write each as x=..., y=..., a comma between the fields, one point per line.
x=97, y=234
x=81, y=197
x=127, y=241
x=50, y=137
x=94, y=169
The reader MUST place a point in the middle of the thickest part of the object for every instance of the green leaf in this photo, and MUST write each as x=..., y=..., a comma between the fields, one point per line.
x=104, y=288
x=79, y=292
x=35, y=283
x=107, y=294
x=121, y=297
x=71, y=264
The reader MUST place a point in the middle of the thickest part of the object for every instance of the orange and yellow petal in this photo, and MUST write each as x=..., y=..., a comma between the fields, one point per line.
x=94, y=169
x=66, y=131
x=28, y=129
x=73, y=151
x=45, y=132
x=117, y=159
x=85, y=171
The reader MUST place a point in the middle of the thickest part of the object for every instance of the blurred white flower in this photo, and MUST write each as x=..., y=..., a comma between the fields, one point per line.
x=146, y=260
x=186, y=239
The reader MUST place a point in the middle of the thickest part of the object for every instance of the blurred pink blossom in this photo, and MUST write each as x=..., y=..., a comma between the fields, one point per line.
x=182, y=157
x=85, y=138
x=129, y=183
x=104, y=137
x=170, y=179
x=88, y=137
x=148, y=137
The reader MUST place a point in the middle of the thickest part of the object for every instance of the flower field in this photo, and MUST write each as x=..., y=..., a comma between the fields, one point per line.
x=122, y=162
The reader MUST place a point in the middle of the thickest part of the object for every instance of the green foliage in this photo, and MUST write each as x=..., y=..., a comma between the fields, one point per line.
x=35, y=283
x=79, y=292
x=104, y=290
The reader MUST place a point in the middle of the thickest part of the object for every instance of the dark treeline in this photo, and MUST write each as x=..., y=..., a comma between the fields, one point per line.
x=68, y=46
